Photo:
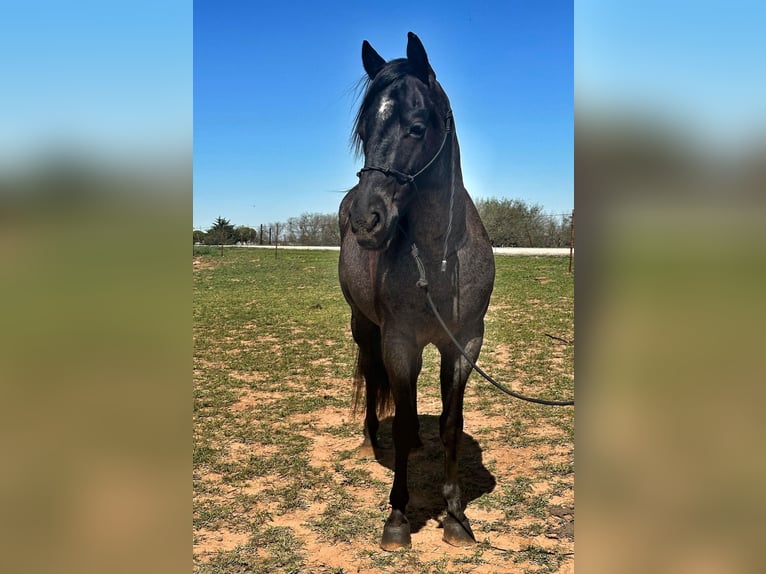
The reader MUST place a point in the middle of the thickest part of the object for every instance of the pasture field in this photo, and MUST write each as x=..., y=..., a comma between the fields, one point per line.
x=278, y=484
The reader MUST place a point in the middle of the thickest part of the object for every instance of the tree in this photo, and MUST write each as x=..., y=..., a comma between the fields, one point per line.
x=198, y=236
x=504, y=220
x=245, y=234
x=312, y=229
x=513, y=223
x=221, y=233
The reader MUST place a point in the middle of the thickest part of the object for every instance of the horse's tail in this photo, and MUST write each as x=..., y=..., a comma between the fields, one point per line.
x=384, y=400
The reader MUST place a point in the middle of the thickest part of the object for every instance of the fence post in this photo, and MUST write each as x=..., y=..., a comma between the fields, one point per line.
x=276, y=241
x=571, y=241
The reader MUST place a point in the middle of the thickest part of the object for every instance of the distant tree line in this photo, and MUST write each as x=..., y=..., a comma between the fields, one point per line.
x=222, y=232
x=306, y=229
x=514, y=223
x=509, y=222
x=311, y=229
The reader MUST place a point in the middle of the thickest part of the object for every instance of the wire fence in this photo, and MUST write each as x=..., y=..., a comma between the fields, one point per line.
x=520, y=234
x=512, y=229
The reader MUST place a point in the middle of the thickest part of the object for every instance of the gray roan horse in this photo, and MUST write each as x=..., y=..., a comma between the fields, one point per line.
x=410, y=218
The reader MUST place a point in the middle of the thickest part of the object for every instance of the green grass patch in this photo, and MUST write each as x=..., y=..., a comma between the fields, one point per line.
x=273, y=355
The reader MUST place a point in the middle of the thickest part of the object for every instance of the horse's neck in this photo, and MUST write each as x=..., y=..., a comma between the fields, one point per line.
x=441, y=206
x=433, y=220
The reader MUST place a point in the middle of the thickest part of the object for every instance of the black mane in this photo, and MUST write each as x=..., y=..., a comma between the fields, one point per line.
x=390, y=73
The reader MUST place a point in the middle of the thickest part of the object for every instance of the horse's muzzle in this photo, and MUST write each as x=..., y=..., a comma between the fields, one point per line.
x=372, y=224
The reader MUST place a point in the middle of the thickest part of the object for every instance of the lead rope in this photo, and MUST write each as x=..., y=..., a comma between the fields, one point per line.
x=451, y=204
x=422, y=282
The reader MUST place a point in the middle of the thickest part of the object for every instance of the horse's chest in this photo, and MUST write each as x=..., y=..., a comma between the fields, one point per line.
x=393, y=292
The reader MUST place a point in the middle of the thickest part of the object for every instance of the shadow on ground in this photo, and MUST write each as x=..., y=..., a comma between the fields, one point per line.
x=426, y=471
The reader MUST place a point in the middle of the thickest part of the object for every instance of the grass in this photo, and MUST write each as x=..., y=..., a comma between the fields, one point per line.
x=276, y=475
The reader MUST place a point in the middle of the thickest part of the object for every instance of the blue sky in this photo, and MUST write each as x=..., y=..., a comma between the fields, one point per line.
x=274, y=99
x=695, y=65
x=95, y=78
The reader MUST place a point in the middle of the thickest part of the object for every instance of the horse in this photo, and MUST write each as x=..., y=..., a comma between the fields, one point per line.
x=407, y=226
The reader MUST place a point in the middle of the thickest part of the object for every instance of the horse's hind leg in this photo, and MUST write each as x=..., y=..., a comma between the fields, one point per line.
x=371, y=368
x=454, y=375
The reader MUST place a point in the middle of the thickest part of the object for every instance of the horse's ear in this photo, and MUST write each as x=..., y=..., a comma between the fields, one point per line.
x=416, y=54
x=371, y=60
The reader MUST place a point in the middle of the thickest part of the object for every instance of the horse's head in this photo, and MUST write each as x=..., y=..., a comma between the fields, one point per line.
x=401, y=128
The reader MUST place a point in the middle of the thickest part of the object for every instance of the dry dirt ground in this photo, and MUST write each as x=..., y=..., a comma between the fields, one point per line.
x=497, y=544
x=517, y=471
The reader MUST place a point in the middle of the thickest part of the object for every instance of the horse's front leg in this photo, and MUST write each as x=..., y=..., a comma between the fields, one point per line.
x=453, y=376
x=401, y=356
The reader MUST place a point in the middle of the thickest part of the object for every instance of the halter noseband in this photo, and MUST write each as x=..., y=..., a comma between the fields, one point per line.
x=405, y=178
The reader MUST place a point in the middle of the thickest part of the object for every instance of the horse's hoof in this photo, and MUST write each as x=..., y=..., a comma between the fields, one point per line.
x=366, y=450
x=458, y=532
x=396, y=537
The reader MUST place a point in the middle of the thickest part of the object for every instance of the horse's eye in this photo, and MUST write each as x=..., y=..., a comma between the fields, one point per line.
x=417, y=130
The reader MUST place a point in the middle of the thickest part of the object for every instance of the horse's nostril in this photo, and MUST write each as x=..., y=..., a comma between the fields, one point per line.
x=374, y=220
